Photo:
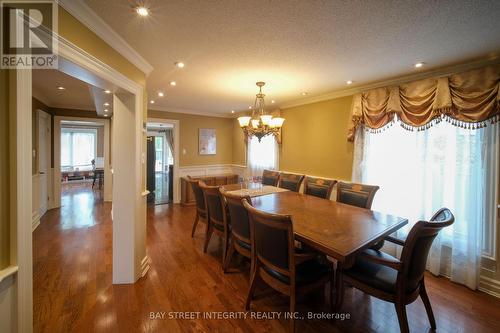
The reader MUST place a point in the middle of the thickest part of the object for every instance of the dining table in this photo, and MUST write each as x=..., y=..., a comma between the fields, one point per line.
x=338, y=230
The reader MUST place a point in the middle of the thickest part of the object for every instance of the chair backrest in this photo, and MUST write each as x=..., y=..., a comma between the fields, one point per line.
x=214, y=203
x=291, y=181
x=319, y=187
x=270, y=177
x=198, y=195
x=359, y=195
x=272, y=239
x=417, y=246
x=239, y=215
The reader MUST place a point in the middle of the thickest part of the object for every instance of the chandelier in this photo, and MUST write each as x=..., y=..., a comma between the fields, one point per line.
x=260, y=123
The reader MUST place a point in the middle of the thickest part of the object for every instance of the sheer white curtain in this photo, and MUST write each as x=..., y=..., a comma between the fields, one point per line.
x=422, y=171
x=261, y=155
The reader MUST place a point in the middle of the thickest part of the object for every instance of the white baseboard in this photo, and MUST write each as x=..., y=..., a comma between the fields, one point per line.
x=489, y=286
x=144, y=266
x=35, y=221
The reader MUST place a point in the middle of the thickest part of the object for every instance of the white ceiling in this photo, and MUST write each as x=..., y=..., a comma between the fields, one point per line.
x=294, y=46
x=76, y=94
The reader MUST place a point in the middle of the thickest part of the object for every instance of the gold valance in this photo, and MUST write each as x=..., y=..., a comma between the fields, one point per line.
x=466, y=99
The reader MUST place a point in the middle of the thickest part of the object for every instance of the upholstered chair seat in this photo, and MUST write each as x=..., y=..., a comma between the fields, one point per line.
x=373, y=275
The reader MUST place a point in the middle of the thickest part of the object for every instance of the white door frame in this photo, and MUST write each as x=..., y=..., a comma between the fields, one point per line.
x=177, y=184
x=21, y=185
x=108, y=185
x=48, y=171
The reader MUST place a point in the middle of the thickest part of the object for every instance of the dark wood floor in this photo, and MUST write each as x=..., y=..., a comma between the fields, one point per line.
x=73, y=290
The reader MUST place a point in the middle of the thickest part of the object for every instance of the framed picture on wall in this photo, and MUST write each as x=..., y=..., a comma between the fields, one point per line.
x=207, y=141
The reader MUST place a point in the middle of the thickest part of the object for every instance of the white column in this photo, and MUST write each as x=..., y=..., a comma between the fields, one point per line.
x=129, y=222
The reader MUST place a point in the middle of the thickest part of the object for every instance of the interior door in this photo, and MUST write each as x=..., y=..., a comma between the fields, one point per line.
x=43, y=159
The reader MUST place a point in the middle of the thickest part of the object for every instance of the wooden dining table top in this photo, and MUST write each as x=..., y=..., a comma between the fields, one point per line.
x=336, y=229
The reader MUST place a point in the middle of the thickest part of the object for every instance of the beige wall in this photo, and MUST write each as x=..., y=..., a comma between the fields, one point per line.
x=239, y=145
x=315, y=139
x=189, y=125
x=4, y=170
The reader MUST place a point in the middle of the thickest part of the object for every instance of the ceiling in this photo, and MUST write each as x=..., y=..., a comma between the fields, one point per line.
x=76, y=94
x=295, y=46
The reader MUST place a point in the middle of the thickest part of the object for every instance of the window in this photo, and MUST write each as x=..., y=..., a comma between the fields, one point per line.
x=444, y=166
x=78, y=148
x=262, y=155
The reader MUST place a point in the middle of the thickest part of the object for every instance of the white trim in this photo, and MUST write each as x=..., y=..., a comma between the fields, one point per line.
x=24, y=213
x=85, y=60
x=176, y=179
x=6, y=272
x=489, y=286
x=35, y=221
x=394, y=81
x=96, y=24
x=188, y=111
x=145, y=266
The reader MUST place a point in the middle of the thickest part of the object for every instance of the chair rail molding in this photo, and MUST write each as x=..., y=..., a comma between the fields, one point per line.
x=93, y=22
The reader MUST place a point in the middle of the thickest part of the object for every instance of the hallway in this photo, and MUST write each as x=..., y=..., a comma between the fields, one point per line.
x=73, y=290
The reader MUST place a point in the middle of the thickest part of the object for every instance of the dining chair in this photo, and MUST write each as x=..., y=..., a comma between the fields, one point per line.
x=217, y=222
x=270, y=177
x=290, y=181
x=278, y=263
x=359, y=195
x=201, y=210
x=399, y=281
x=319, y=187
x=240, y=227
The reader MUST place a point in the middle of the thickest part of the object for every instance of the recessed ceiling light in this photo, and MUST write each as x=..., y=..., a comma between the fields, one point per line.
x=161, y=94
x=348, y=82
x=250, y=107
x=419, y=64
x=61, y=88
x=106, y=104
x=106, y=110
x=173, y=83
x=179, y=64
x=105, y=115
x=272, y=102
x=304, y=93
x=142, y=11
x=107, y=91
x=152, y=101
x=232, y=111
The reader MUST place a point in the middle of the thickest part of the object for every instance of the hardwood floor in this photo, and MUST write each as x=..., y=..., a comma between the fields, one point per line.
x=73, y=290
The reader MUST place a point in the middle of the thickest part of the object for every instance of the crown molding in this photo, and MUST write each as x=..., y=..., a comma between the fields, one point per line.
x=187, y=111
x=443, y=71
x=96, y=24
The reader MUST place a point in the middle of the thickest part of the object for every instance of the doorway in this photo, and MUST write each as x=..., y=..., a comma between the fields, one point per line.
x=160, y=163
